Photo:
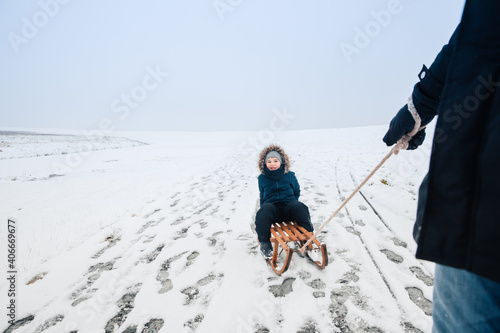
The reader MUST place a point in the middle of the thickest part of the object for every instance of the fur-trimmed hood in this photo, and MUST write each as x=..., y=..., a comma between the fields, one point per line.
x=284, y=157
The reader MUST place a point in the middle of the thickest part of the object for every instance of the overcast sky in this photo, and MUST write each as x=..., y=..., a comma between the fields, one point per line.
x=204, y=65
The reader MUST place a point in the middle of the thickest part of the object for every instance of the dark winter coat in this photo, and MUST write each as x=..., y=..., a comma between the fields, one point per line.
x=458, y=219
x=281, y=190
x=278, y=186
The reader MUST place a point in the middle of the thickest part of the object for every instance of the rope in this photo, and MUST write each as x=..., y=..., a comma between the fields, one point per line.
x=402, y=144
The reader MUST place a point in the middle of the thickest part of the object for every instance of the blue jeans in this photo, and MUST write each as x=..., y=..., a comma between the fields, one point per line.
x=464, y=302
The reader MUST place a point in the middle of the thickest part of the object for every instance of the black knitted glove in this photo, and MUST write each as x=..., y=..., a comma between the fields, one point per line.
x=402, y=124
x=416, y=140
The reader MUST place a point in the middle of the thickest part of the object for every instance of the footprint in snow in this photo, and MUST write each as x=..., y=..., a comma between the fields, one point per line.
x=178, y=221
x=349, y=277
x=151, y=223
x=213, y=239
x=253, y=248
x=149, y=239
x=417, y=297
x=192, y=257
x=152, y=256
x=320, y=202
x=131, y=329
x=95, y=273
x=399, y=242
x=201, y=210
x=217, y=243
x=244, y=237
x=392, y=256
x=304, y=275
x=338, y=310
x=351, y=292
x=175, y=203
x=193, y=293
x=373, y=330
x=284, y=289
x=319, y=286
x=49, y=323
x=419, y=273
x=195, y=322
x=309, y=327
x=163, y=274
x=89, y=293
x=215, y=210
x=152, y=213
x=112, y=241
x=181, y=233
x=153, y=326
x=19, y=323
x=352, y=230
x=409, y=328
x=126, y=305
x=360, y=222
x=145, y=226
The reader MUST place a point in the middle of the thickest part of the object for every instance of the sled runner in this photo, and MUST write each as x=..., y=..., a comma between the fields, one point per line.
x=286, y=232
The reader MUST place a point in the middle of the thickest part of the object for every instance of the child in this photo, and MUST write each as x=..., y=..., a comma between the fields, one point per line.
x=279, y=195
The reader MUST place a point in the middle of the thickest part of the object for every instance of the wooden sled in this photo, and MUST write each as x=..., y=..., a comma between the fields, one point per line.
x=286, y=232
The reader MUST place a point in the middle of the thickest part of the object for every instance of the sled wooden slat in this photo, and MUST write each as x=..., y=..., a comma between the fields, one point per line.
x=278, y=242
x=298, y=233
x=280, y=234
x=275, y=253
x=286, y=232
x=278, y=238
x=283, y=234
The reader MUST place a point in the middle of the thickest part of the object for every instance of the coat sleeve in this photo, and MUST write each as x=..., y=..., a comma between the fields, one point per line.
x=427, y=92
x=439, y=68
x=296, y=187
x=261, y=190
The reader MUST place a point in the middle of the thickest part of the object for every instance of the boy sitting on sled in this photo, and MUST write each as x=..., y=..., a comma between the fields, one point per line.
x=279, y=195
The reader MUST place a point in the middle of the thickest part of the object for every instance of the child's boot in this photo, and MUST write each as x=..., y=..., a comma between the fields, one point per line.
x=266, y=249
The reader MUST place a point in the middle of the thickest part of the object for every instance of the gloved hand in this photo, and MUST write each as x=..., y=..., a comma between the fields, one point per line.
x=426, y=97
x=402, y=124
x=416, y=140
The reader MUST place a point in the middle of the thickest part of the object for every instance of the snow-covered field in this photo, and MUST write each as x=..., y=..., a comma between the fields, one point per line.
x=153, y=232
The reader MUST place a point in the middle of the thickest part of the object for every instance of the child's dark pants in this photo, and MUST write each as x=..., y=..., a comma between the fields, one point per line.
x=280, y=212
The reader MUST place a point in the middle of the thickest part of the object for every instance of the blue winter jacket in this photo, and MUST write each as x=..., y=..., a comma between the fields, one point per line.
x=278, y=188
